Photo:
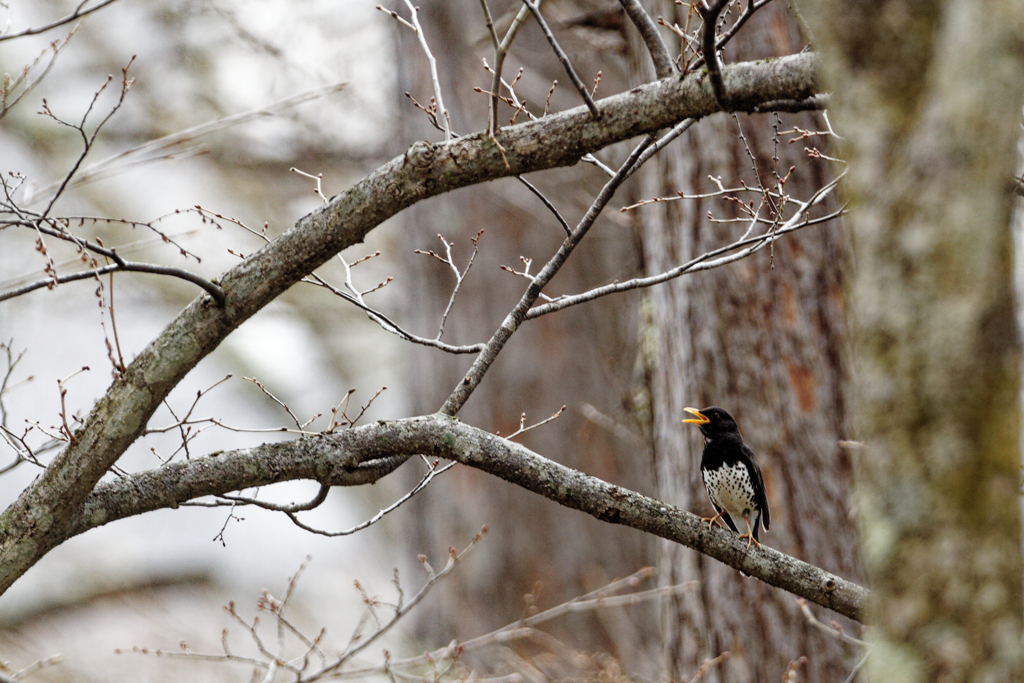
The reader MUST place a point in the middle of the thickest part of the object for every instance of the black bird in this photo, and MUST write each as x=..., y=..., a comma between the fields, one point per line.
x=731, y=475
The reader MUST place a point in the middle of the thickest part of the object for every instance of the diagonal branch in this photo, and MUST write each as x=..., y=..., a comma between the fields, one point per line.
x=333, y=458
x=77, y=14
x=663, y=64
x=563, y=58
x=36, y=522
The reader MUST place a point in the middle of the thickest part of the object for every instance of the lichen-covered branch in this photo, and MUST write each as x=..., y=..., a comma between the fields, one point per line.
x=365, y=454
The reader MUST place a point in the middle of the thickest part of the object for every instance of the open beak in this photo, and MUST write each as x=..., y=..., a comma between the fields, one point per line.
x=699, y=417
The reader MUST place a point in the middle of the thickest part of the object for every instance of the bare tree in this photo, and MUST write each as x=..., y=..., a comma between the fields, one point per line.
x=692, y=89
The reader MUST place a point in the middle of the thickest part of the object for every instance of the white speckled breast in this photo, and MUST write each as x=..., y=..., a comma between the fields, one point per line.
x=730, y=489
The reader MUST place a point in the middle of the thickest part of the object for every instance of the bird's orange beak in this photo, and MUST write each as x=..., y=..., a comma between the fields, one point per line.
x=701, y=418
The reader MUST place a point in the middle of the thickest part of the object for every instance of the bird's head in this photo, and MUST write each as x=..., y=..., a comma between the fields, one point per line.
x=712, y=421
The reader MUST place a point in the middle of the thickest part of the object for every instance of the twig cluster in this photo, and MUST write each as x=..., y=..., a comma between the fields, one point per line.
x=305, y=657
x=311, y=661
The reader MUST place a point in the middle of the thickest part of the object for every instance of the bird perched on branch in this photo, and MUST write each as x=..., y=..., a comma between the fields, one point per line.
x=731, y=475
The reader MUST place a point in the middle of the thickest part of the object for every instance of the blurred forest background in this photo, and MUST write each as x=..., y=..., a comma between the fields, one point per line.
x=765, y=338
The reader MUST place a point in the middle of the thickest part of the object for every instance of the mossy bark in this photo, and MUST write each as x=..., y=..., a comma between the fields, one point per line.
x=929, y=96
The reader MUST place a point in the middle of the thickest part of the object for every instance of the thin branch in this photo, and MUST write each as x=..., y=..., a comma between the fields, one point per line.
x=442, y=120
x=157, y=149
x=833, y=631
x=454, y=557
x=390, y=325
x=291, y=508
x=547, y=203
x=663, y=64
x=422, y=484
x=25, y=79
x=563, y=58
x=499, y=61
x=724, y=38
x=709, y=14
x=522, y=423
x=88, y=140
x=705, y=261
x=490, y=24
x=213, y=290
x=77, y=14
x=602, y=598
x=483, y=361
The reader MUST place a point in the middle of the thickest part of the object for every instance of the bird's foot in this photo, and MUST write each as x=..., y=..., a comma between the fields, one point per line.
x=750, y=540
x=712, y=520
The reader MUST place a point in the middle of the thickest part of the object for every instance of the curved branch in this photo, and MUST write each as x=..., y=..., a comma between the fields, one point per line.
x=333, y=458
x=709, y=13
x=125, y=266
x=663, y=64
x=37, y=521
x=77, y=14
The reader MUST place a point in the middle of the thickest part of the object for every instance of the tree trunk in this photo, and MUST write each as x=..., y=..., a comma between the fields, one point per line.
x=572, y=358
x=765, y=339
x=931, y=103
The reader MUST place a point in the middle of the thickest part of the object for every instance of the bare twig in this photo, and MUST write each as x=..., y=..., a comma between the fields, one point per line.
x=390, y=325
x=213, y=290
x=522, y=423
x=663, y=64
x=724, y=38
x=499, y=61
x=432, y=471
x=709, y=14
x=547, y=203
x=318, y=178
x=563, y=58
x=87, y=139
x=832, y=630
x=712, y=259
x=517, y=315
x=443, y=119
x=8, y=675
x=27, y=80
x=159, y=149
x=77, y=14
x=401, y=609
x=490, y=24
x=459, y=275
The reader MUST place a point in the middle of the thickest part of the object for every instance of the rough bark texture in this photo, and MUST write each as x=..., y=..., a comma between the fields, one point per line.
x=766, y=340
x=931, y=105
x=578, y=357
x=358, y=456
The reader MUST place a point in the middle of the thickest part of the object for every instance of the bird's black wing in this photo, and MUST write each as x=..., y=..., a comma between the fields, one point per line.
x=760, y=495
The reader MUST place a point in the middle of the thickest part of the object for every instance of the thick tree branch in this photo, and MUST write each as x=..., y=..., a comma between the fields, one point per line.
x=36, y=522
x=364, y=454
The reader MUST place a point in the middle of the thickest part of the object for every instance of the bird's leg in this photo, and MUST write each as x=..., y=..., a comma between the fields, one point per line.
x=712, y=520
x=750, y=534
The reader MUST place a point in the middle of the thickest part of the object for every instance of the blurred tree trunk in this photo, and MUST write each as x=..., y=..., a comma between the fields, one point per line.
x=532, y=542
x=930, y=100
x=766, y=339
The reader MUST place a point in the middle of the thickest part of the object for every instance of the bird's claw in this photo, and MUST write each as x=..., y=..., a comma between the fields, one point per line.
x=711, y=521
x=750, y=540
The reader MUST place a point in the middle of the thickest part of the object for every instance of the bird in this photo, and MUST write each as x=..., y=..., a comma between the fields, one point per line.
x=731, y=475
